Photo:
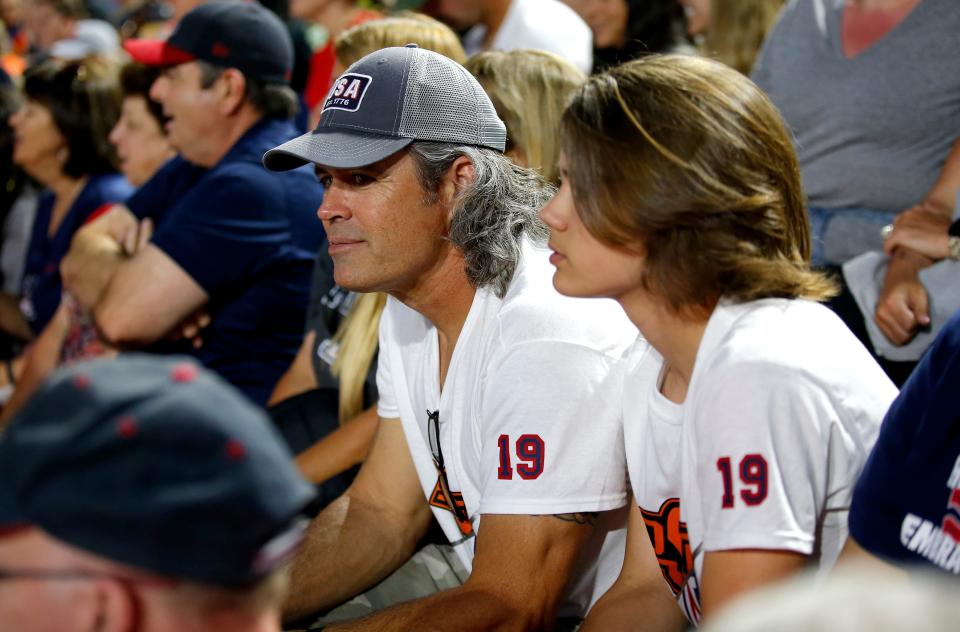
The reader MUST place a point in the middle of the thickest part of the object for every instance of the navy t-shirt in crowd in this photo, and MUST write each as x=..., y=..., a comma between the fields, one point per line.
x=41, y=273
x=247, y=236
x=906, y=506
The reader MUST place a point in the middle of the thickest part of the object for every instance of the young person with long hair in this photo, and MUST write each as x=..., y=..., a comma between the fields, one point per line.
x=750, y=413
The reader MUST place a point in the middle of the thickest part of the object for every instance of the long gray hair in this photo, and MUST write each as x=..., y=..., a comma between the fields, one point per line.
x=493, y=214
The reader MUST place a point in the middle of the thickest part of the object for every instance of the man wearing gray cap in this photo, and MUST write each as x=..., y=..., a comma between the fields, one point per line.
x=145, y=494
x=496, y=412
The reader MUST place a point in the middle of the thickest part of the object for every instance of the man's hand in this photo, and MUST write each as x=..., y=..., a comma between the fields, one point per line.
x=95, y=254
x=903, y=306
x=192, y=328
x=922, y=229
x=137, y=236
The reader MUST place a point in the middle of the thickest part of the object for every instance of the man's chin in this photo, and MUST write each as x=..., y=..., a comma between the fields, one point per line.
x=354, y=284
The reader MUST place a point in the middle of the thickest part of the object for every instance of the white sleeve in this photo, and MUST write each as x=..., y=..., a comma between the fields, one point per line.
x=760, y=444
x=552, y=438
x=387, y=407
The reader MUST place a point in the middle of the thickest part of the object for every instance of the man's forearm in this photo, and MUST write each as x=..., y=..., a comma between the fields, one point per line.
x=943, y=195
x=348, y=548
x=458, y=610
x=96, y=252
x=340, y=450
x=521, y=570
x=38, y=361
x=906, y=262
x=87, y=269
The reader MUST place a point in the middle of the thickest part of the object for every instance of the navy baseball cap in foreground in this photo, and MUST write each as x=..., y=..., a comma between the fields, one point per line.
x=158, y=464
x=387, y=100
x=226, y=33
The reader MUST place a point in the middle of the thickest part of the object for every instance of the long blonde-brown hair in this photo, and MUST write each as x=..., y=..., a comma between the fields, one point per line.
x=687, y=161
x=737, y=30
x=357, y=338
x=398, y=30
x=529, y=89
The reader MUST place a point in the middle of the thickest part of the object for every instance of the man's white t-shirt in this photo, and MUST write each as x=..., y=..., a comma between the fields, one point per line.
x=529, y=416
x=782, y=409
x=547, y=25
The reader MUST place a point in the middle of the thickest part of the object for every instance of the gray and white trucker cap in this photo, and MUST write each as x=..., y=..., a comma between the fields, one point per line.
x=387, y=100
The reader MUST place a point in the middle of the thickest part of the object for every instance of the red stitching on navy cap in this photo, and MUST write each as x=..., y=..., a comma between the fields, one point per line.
x=184, y=372
x=13, y=528
x=127, y=427
x=220, y=50
x=235, y=450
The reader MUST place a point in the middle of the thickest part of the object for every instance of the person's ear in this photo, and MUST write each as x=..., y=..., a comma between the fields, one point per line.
x=233, y=88
x=117, y=606
x=459, y=176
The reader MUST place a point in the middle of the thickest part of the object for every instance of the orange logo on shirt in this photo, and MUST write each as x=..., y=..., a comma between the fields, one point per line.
x=670, y=542
x=439, y=499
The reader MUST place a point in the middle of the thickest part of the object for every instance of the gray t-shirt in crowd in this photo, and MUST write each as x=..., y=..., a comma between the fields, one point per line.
x=873, y=131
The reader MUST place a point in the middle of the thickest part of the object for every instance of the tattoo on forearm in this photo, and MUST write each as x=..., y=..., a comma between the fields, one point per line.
x=587, y=518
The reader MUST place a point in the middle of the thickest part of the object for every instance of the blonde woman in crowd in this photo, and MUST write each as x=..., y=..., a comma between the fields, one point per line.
x=731, y=31
x=750, y=413
x=325, y=404
x=529, y=89
x=405, y=26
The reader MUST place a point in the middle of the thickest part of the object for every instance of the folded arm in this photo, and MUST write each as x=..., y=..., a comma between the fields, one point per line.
x=148, y=296
x=520, y=570
x=923, y=230
x=95, y=254
x=903, y=306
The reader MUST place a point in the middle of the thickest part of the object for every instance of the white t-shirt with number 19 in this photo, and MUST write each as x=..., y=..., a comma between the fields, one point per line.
x=783, y=406
x=529, y=416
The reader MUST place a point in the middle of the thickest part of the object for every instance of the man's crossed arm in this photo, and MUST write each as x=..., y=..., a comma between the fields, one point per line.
x=137, y=293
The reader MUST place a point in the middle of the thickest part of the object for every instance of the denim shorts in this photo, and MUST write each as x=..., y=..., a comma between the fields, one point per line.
x=840, y=234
